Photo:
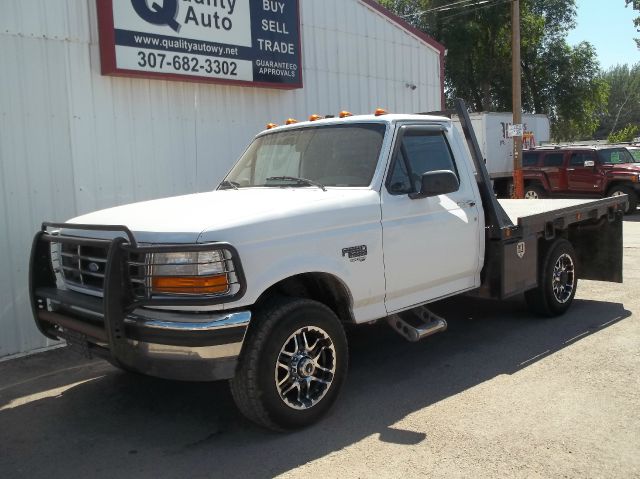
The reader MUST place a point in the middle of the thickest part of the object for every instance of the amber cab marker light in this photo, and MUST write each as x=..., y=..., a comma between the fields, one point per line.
x=271, y=126
x=315, y=117
x=345, y=114
x=291, y=121
x=381, y=111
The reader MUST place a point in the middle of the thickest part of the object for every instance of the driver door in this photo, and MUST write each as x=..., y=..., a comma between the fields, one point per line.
x=583, y=179
x=431, y=245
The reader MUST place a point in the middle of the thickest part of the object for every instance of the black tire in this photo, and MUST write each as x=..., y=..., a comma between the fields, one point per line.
x=545, y=300
x=254, y=387
x=630, y=192
x=534, y=192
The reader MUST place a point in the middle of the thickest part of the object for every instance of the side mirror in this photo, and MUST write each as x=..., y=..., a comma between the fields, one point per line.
x=435, y=183
x=589, y=164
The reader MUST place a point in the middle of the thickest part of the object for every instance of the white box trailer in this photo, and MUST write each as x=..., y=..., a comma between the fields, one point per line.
x=496, y=146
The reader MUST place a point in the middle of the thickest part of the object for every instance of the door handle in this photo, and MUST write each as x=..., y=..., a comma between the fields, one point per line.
x=466, y=204
x=571, y=169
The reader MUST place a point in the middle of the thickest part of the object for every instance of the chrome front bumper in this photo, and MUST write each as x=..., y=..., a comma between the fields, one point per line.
x=188, y=351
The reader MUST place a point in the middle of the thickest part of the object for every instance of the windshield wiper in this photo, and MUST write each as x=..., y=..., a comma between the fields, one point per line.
x=302, y=181
x=229, y=184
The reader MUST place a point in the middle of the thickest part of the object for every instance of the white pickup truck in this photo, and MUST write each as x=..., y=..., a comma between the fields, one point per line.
x=321, y=224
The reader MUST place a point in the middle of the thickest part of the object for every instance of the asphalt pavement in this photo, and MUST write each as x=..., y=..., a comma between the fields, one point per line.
x=500, y=394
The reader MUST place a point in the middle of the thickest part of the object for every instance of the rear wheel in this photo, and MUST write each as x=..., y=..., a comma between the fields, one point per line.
x=557, y=280
x=293, y=364
x=620, y=190
x=534, y=192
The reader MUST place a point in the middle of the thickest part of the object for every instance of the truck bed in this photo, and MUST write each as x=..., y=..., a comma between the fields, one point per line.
x=533, y=215
x=593, y=227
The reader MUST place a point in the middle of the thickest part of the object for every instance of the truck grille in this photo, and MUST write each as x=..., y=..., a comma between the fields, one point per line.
x=84, y=267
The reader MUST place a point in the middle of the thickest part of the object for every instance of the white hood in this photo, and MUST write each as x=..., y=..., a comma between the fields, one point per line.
x=183, y=219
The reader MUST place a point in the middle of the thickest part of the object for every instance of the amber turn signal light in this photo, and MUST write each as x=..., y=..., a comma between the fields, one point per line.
x=271, y=126
x=291, y=121
x=381, y=111
x=345, y=114
x=315, y=118
x=217, y=284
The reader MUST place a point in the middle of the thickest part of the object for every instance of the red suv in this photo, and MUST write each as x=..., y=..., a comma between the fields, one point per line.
x=581, y=172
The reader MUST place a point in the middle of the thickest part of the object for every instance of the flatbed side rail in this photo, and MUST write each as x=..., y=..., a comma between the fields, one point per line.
x=549, y=221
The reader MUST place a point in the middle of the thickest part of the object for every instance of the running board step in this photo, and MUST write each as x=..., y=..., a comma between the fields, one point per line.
x=417, y=324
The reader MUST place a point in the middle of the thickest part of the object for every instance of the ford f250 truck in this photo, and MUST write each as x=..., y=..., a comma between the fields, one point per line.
x=319, y=225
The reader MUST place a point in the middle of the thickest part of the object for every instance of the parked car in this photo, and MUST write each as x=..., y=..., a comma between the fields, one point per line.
x=582, y=172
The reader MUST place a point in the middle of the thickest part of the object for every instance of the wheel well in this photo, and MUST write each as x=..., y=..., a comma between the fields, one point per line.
x=322, y=287
x=503, y=187
x=615, y=184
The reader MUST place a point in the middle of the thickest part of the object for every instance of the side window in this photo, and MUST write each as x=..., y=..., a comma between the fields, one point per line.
x=578, y=159
x=530, y=159
x=553, y=159
x=419, y=153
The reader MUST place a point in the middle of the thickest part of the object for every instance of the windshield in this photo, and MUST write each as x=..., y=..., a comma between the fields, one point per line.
x=635, y=152
x=615, y=156
x=332, y=155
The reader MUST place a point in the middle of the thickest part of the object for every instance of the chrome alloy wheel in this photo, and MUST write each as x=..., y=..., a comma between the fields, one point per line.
x=531, y=195
x=564, y=278
x=305, y=367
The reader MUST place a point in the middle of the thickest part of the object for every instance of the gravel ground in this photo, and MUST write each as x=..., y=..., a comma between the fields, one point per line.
x=500, y=394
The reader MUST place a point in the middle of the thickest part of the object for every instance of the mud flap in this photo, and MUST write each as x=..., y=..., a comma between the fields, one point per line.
x=599, y=249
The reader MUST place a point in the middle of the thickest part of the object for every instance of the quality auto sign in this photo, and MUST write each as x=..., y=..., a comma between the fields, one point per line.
x=237, y=41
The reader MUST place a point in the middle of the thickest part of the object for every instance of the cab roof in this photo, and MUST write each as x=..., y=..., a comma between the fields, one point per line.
x=387, y=118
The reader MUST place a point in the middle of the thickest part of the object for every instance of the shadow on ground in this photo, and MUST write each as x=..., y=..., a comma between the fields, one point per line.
x=119, y=424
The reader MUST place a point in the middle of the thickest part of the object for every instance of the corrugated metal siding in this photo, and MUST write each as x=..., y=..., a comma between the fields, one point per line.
x=72, y=141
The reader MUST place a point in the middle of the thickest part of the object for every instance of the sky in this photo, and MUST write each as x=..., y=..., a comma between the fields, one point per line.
x=608, y=26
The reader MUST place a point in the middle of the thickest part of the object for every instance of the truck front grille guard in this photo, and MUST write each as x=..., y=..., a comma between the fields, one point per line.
x=120, y=295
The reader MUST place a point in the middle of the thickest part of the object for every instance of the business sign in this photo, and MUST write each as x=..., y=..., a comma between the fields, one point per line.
x=515, y=130
x=223, y=41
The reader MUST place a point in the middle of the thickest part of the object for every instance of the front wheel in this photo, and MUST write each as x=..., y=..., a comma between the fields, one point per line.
x=293, y=364
x=557, y=280
x=620, y=190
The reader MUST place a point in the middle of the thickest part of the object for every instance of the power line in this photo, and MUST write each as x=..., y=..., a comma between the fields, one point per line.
x=489, y=3
x=450, y=6
x=478, y=4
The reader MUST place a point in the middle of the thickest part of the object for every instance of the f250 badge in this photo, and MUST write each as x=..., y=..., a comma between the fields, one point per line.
x=520, y=249
x=355, y=253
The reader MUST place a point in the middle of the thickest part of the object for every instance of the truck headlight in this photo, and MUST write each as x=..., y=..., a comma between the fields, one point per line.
x=194, y=273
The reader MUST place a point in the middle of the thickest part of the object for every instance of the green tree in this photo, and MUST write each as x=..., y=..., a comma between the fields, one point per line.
x=635, y=4
x=623, y=107
x=627, y=134
x=559, y=80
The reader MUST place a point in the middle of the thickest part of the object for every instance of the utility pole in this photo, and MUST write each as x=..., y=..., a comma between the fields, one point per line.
x=518, y=183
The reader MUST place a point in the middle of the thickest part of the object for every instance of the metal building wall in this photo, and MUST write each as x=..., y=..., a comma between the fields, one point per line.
x=72, y=141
